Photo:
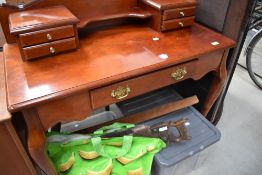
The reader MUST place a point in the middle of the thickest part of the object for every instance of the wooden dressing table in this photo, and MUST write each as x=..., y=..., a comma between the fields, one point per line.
x=113, y=64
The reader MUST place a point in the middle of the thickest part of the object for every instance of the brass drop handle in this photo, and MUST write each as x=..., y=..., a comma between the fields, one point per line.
x=180, y=24
x=179, y=73
x=182, y=14
x=121, y=92
x=52, y=50
x=49, y=36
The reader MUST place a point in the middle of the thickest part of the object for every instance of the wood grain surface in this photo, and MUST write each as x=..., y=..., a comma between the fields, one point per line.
x=38, y=37
x=31, y=20
x=60, y=88
x=84, y=10
x=178, y=13
x=169, y=4
x=104, y=57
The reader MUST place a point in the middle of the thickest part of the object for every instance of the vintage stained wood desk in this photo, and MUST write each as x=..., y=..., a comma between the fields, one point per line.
x=70, y=86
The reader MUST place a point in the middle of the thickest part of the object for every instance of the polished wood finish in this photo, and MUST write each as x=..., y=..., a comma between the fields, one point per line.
x=13, y=159
x=41, y=36
x=107, y=10
x=71, y=86
x=141, y=84
x=177, y=23
x=32, y=20
x=71, y=108
x=169, y=4
x=36, y=142
x=179, y=13
x=67, y=108
x=170, y=14
x=88, y=67
x=217, y=85
x=155, y=21
x=135, y=12
x=41, y=32
x=45, y=49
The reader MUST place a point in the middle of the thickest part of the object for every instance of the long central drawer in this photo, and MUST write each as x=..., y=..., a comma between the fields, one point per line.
x=127, y=89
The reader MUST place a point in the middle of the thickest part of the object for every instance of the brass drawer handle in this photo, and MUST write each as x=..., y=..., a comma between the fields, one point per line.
x=180, y=24
x=52, y=50
x=179, y=73
x=182, y=14
x=49, y=36
x=121, y=92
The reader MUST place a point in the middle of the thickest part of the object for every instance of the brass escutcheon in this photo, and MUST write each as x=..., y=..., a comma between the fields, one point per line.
x=121, y=92
x=179, y=73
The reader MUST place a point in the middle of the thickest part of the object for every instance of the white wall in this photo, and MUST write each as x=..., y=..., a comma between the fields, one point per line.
x=1, y=1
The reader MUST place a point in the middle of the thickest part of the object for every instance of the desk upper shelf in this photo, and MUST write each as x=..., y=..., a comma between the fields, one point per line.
x=132, y=13
x=104, y=57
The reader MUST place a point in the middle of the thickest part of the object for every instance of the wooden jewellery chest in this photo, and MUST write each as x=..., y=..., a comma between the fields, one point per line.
x=44, y=32
x=170, y=14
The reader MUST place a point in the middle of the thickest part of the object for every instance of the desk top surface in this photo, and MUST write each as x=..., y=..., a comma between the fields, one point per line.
x=104, y=57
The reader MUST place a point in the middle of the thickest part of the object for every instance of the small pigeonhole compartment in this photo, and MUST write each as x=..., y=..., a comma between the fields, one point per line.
x=177, y=158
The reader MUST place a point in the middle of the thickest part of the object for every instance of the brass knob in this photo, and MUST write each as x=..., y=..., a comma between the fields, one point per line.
x=49, y=36
x=179, y=73
x=121, y=92
x=180, y=24
x=52, y=50
x=182, y=14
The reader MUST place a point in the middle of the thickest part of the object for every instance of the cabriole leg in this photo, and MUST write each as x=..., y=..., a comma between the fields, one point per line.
x=36, y=142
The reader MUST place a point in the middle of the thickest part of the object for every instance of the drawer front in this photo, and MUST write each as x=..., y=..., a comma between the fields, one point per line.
x=51, y=48
x=47, y=35
x=104, y=96
x=177, y=23
x=179, y=13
